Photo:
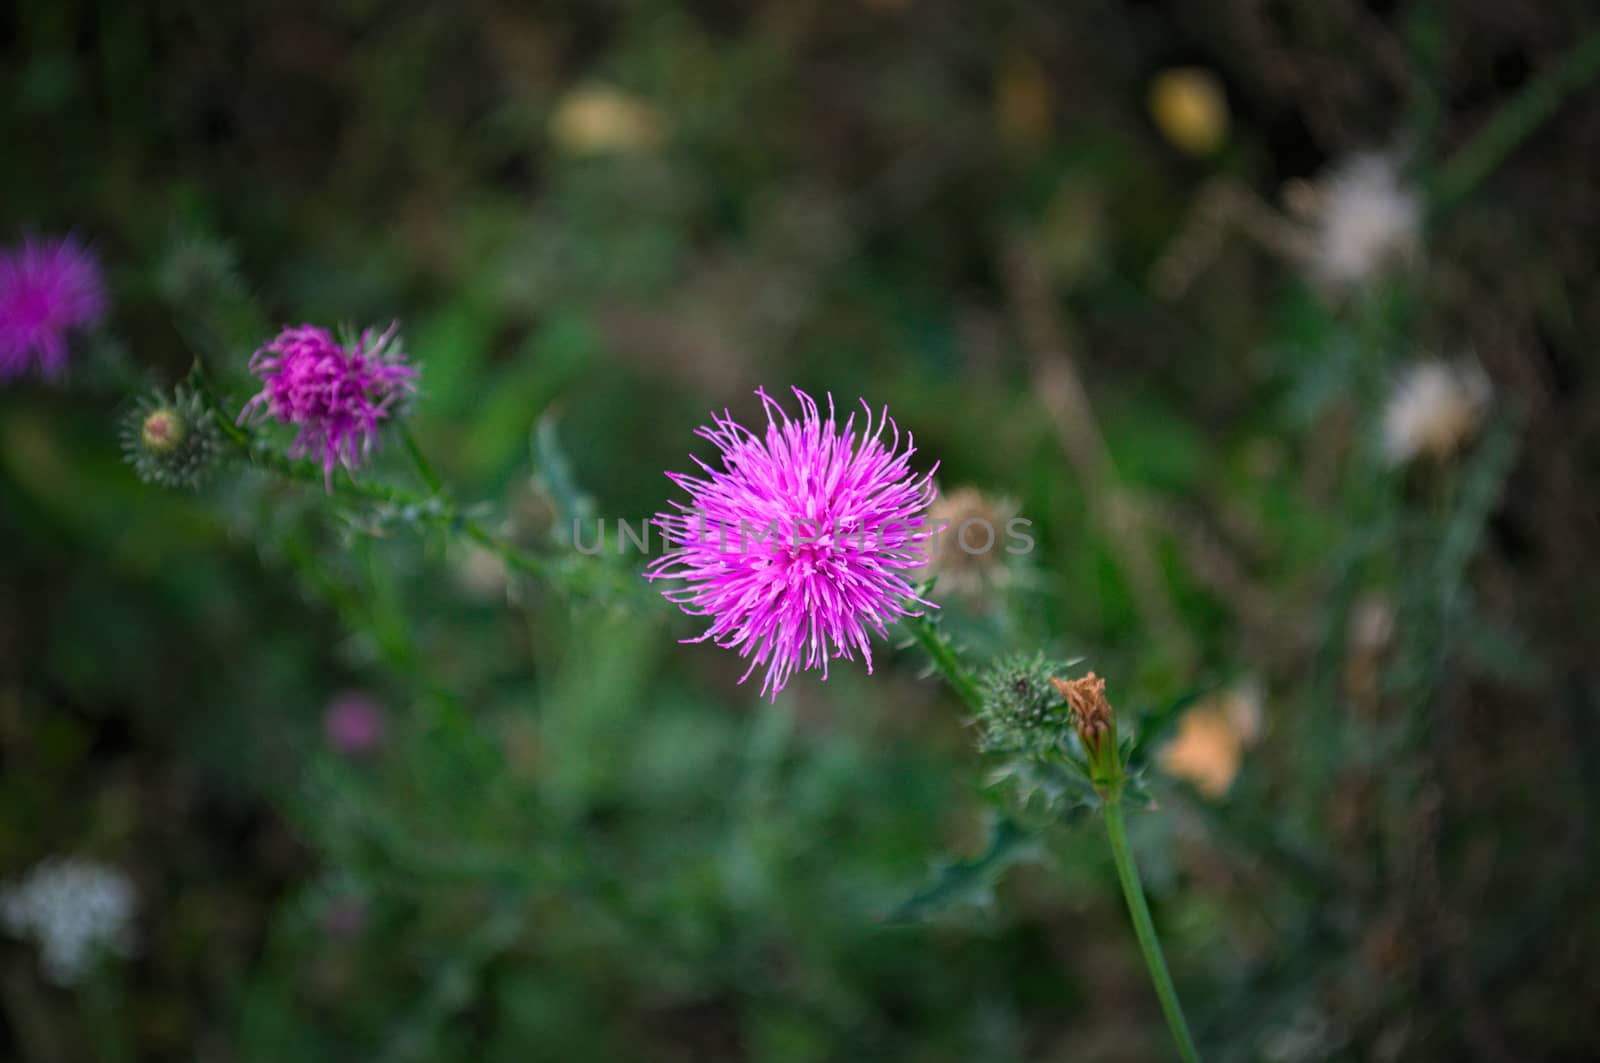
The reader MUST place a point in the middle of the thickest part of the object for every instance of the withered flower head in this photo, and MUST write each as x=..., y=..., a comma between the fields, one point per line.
x=1087, y=699
x=967, y=553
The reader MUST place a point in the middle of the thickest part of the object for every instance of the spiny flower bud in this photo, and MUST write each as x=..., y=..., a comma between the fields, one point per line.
x=1021, y=710
x=161, y=431
x=171, y=440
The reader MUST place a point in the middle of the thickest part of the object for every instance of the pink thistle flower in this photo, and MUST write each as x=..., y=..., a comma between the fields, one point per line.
x=797, y=545
x=355, y=723
x=47, y=289
x=335, y=393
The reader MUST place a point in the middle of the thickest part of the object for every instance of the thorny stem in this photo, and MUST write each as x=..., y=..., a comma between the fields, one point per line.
x=1096, y=724
x=307, y=471
x=944, y=660
x=1144, y=928
x=1110, y=789
x=432, y=508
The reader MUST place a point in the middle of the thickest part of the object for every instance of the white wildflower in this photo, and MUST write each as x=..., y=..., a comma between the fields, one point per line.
x=1433, y=409
x=72, y=909
x=1367, y=220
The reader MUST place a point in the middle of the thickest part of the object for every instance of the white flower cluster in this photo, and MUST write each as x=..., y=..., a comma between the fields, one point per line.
x=72, y=909
x=1433, y=410
x=1369, y=218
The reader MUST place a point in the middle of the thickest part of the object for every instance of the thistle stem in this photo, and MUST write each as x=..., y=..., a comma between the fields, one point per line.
x=420, y=460
x=433, y=507
x=944, y=660
x=1144, y=928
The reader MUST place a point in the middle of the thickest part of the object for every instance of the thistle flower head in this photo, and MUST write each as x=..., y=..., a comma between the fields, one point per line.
x=171, y=440
x=336, y=393
x=1022, y=711
x=48, y=288
x=798, y=543
x=1368, y=219
x=1433, y=409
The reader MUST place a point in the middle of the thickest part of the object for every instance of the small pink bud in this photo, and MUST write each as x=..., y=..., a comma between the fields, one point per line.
x=355, y=723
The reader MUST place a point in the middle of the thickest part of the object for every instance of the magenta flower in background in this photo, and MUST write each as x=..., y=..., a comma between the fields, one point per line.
x=48, y=288
x=798, y=544
x=335, y=393
x=355, y=723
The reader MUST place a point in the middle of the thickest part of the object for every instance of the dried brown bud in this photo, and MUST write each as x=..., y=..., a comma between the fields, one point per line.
x=1090, y=709
x=1097, y=727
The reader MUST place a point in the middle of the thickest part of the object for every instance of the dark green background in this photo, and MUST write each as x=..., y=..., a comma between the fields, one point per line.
x=583, y=840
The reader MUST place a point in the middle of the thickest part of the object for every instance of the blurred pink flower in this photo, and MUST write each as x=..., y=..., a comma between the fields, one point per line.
x=355, y=723
x=336, y=393
x=47, y=289
x=838, y=520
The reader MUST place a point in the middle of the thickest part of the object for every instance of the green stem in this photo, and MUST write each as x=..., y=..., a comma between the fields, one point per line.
x=945, y=660
x=1516, y=121
x=420, y=460
x=430, y=507
x=575, y=575
x=519, y=560
x=1425, y=33
x=1149, y=944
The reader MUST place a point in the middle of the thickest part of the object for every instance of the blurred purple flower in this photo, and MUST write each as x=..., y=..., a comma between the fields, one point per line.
x=47, y=289
x=335, y=393
x=355, y=723
x=796, y=546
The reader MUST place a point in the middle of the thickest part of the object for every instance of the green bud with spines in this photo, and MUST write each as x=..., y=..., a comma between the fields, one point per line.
x=171, y=439
x=1022, y=711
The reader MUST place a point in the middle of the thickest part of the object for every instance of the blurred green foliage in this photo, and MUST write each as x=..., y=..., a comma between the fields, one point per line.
x=581, y=840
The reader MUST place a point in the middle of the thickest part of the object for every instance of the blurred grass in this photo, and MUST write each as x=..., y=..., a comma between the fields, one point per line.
x=584, y=840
